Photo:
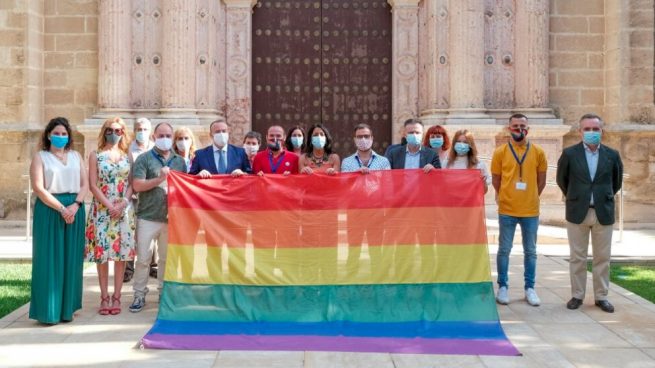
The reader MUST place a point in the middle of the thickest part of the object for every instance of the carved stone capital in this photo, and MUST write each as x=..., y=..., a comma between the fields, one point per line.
x=240, y=3
x=403, y=3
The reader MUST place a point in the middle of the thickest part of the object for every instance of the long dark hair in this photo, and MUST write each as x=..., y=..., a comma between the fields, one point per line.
x=45, y=141
x=309, y=147
x=287, y=142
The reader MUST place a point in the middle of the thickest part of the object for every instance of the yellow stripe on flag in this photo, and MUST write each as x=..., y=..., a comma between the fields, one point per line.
x=401, y=264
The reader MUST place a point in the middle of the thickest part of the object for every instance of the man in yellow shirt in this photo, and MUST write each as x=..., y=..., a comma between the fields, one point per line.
x=518, y=171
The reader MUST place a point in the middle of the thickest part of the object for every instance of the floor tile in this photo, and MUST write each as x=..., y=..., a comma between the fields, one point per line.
x=263, y=359
x=639, y=334
x=435, y=361
x=322, y=359
x=580, y=335
x=608, y=358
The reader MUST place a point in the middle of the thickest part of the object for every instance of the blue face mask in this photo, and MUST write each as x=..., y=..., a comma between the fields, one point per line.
x=462, y=148
x=318, y=141
x=59, y=141
x=413, y=139
x=591, y=137
x=436, y=142
x=297, y=141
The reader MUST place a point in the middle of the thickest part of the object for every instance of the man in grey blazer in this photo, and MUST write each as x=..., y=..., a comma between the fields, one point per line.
x=413, y=155
x=589, y=174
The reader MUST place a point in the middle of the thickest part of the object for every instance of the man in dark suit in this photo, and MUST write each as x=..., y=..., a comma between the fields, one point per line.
x=413, y=155
x=589, y=174
x=220, y=157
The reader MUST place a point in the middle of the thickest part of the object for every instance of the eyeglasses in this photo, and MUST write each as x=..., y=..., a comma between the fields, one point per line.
x=118, y=131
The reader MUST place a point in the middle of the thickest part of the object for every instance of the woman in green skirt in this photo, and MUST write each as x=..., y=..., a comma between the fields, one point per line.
x=60, y=182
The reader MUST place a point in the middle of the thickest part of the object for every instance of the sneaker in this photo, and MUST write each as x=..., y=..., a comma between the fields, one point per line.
x=532, y=297
x=501, y=296
x=138, y=304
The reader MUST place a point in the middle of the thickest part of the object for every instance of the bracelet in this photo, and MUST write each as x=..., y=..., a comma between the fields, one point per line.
x=62, y=208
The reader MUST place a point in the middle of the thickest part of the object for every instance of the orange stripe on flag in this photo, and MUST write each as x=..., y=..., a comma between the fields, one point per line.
x=308, y=229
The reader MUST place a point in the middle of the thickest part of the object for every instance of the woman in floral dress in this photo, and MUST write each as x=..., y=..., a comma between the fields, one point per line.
x=110, y=226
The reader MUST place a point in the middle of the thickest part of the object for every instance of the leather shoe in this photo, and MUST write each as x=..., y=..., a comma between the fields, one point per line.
x=574, y=303
x=605, y=306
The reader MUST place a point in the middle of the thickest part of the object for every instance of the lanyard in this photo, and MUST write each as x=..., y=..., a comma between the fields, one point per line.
x=274, y=167
x=520, y=162
x=164, y=164
x=369, y=161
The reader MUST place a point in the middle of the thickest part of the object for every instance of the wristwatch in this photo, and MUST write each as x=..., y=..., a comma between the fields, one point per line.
x=79, y=203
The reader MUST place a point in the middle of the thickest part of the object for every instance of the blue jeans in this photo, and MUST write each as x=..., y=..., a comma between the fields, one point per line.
x=507, y=227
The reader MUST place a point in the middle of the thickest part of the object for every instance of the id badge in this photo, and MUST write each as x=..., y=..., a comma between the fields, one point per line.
x=521, y=185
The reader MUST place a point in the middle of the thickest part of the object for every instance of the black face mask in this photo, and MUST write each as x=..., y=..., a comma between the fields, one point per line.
x=517, y=137
x=275, y=146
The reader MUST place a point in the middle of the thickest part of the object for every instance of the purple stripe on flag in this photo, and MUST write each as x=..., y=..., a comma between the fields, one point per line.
x=331, y=343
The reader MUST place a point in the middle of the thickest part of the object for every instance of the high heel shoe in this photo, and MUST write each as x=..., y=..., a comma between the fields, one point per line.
x=104, y=306
x=115, y=305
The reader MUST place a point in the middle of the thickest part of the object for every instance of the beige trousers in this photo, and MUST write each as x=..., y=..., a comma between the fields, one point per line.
x=601, y=243
x=147, y=231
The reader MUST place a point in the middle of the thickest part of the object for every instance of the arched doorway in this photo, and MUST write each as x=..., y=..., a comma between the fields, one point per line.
x=323, y=61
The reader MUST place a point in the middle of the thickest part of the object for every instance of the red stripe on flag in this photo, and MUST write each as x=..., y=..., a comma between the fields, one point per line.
x=388, y=189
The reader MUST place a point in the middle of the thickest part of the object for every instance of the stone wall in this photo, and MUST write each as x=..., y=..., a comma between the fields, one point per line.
x=71, y=59
x=601, y=60
x=576, y=58
x=48, y=68
x=21, y=94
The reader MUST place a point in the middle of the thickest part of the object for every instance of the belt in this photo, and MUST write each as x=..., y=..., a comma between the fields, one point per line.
x=592, y=206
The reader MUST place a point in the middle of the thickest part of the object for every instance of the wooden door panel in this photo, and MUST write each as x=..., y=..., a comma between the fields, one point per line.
x=323, y=61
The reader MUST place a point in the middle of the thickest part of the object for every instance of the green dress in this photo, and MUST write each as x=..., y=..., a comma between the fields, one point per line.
x=57, y=261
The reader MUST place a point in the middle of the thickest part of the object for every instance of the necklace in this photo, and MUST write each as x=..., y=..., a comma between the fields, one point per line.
x=318, y=161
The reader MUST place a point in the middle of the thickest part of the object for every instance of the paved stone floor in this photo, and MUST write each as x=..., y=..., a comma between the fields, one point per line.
x=548, y=336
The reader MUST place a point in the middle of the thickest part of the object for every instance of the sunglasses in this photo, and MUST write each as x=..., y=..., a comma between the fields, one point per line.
x=117, y=131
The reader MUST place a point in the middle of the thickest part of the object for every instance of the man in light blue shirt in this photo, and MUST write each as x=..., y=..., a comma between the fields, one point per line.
x=365, y=223
x=365, y=159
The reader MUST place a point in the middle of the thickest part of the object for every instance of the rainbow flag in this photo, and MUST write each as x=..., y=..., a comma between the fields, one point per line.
x=392, y=261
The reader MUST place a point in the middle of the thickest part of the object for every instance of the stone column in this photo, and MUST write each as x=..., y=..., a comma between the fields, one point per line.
x=114, y=56
x=178, y=77
x=404, y=72
x=532, y=21
x=238, y=86
x=466, y=46
x=434, y=86
x=531, y=84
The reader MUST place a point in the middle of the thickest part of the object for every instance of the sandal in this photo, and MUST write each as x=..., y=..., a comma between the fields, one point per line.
x=115, y=305
x=104, y=306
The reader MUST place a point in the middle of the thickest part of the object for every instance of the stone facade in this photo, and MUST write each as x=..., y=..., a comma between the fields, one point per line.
x=465, y=63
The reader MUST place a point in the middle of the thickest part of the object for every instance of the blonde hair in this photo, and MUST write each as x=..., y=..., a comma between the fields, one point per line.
x=192, y=148
x=473, y=152
x=124, y=144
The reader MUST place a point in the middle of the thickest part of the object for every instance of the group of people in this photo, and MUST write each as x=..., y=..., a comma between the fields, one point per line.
x=128, y=181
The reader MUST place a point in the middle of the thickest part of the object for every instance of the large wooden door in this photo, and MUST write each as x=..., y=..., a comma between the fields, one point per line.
x=323, y=61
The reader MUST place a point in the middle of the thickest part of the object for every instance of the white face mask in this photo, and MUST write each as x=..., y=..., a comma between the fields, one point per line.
x=220, y=139
x=183, y=145
x=252, y=149
x=164, y=144
x=363, y=144
x=142, y=136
